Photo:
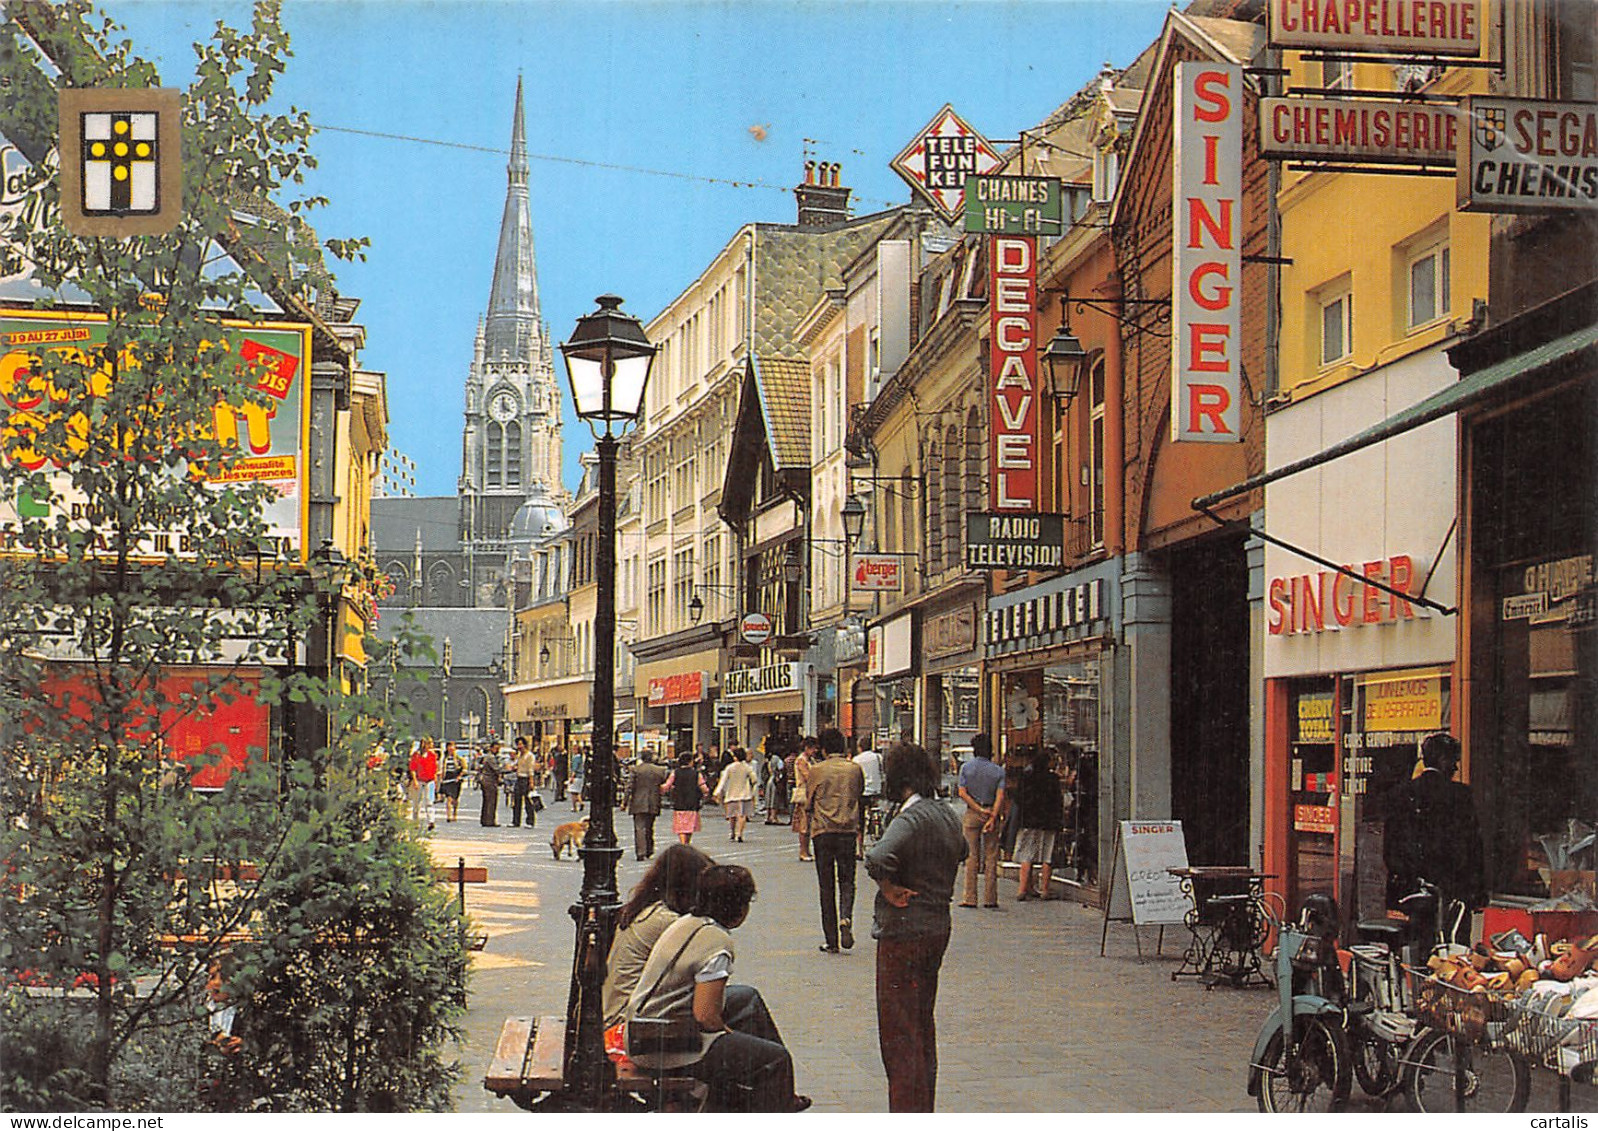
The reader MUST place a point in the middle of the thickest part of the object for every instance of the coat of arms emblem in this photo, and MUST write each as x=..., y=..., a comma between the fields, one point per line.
x=1491, y=124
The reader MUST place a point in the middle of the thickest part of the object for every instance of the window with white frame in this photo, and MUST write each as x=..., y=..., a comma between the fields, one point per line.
x=1095, y=468
x=1336, y=310
x=1337, y=74
x=655, y=598
x=1427, y=272
x=682, y=584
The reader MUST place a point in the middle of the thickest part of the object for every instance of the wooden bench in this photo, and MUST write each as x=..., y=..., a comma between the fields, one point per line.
x=460, y=875
x=529, y=1061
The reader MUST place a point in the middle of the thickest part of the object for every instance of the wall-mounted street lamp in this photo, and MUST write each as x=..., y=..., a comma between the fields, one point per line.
x=696, y=604
x=608, y=360
x=1064, y=357
x=854, y=519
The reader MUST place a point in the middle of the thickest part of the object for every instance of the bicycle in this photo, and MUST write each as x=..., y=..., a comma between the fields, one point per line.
x=1401, y=1041
x=871, y=822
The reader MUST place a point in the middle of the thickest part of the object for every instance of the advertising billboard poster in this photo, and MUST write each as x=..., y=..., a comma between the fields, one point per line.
x=1206, y=254
x=273, y=437
x=1013, y=373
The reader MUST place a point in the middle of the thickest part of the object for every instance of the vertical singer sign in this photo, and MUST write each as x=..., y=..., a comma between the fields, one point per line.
x=1013, y=371
x=1206, y=365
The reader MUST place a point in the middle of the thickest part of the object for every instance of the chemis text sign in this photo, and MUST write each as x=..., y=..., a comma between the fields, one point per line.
x=1528, y=155
x=941, y=157
x=1012, y=541
x=1206, y=362
x=1392, y=27
x=1005, y=206
x=1348, y=129
x=1013, y=373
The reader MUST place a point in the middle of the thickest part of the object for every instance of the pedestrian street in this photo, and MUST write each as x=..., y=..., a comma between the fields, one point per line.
x=1030, y=1018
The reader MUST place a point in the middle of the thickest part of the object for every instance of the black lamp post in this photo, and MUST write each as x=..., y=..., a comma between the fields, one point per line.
x=608, y=360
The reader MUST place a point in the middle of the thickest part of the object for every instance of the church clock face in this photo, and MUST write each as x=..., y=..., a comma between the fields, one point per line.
x=503, y=406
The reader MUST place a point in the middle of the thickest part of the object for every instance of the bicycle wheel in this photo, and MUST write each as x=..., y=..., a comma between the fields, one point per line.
x=1319, y=1077
x=1377, y=1065
x=1495, y=1080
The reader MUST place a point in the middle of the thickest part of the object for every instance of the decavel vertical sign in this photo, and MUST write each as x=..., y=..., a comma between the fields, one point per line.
x=1206, y=365
x=1013, y=367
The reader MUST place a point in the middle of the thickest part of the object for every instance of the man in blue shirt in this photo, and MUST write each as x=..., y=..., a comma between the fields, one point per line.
x=982, y=790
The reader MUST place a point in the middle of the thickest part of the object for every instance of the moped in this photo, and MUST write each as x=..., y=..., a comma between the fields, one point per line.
x=1301, y=1059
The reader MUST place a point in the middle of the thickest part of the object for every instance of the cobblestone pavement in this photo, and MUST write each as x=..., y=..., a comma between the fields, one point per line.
x=1030, y=1018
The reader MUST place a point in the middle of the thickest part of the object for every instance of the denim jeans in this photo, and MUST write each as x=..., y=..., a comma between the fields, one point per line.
x=907, y=994
x=748, y=1069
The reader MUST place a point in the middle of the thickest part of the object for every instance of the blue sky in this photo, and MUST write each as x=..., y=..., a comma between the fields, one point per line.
x=616, y=92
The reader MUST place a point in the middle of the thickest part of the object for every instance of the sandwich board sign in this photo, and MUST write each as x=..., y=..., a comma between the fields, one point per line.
x=1142, y=890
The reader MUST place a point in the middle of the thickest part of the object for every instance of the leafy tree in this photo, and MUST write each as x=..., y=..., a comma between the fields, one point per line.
x=142, y=588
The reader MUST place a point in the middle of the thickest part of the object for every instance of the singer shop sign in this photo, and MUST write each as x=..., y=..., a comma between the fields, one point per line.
x=1013, y=386
x=1206, y=361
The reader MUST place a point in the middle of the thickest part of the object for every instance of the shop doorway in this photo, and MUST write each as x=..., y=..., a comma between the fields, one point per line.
x=1209, y=699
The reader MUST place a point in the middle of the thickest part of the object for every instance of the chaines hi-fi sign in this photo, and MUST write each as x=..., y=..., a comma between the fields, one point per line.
x=1013, y=373
x=272, y=436
x=1206, y=362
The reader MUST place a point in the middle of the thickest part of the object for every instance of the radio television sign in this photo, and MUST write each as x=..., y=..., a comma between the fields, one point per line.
x=1206, y=364
x=1014, y=541
x=1384, y=27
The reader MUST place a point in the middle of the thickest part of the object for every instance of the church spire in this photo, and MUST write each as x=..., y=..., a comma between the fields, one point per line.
x=513, y=314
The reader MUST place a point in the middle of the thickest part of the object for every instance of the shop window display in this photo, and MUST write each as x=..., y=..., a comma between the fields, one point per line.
x=1070, y=726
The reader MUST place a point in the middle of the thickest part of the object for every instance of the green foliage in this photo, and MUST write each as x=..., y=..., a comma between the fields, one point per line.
x=121, y=888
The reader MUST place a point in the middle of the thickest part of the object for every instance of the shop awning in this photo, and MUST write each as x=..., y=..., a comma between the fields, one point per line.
x=1552, y=360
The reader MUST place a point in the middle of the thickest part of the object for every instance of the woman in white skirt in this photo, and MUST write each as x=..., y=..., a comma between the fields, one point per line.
x=736, y=793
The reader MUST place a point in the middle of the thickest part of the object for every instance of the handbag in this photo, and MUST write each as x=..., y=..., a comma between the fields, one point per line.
x=652, y=1036
x=537, y=802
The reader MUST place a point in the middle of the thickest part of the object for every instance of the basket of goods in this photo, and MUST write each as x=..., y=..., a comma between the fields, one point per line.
x=1459, y=996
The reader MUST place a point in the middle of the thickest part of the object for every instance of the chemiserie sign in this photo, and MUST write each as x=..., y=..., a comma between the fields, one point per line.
x=1353, y=129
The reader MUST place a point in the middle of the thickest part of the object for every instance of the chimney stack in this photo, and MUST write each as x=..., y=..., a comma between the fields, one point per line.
x=822, y=198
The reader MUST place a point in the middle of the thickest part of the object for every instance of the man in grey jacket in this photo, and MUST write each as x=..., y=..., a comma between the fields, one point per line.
x=914, y=864
x=643, y=802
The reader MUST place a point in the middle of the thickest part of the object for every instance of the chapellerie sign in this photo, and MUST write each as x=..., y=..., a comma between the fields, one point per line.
x=1397, y=27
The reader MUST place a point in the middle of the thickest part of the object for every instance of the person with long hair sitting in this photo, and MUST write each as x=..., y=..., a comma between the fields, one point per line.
x=664, y=894
x=736, y=1048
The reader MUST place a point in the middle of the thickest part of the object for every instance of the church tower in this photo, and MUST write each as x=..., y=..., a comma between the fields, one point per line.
x=511, y=444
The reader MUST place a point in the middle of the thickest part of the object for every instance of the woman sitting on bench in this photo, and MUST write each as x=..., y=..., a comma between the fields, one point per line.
x=664, y=894
x=740, y=1054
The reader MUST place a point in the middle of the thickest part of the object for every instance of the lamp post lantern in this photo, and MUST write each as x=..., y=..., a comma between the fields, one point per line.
x=608, y=360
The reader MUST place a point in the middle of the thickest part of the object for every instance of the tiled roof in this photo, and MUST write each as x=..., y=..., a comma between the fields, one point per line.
x=784, y=390
x=795, y=265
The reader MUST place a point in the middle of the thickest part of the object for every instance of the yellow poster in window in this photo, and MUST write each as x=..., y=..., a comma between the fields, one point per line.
x=1400, y=703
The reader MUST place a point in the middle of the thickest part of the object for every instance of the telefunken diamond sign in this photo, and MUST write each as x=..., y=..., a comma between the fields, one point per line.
x=937, y=163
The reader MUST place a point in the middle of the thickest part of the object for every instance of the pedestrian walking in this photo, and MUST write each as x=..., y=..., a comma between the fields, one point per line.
x=488, y=782
x=522, y=797
x=579, y=767
x=560, y=764
x=643, y=802
x=423, y=776
x=914, y=865
x=687, y=790
x=776, y=789
x=1040, y=812
x=982, y=790
x=451, y=774
x=800, y=799
x=735, y=790
x=836, y=786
